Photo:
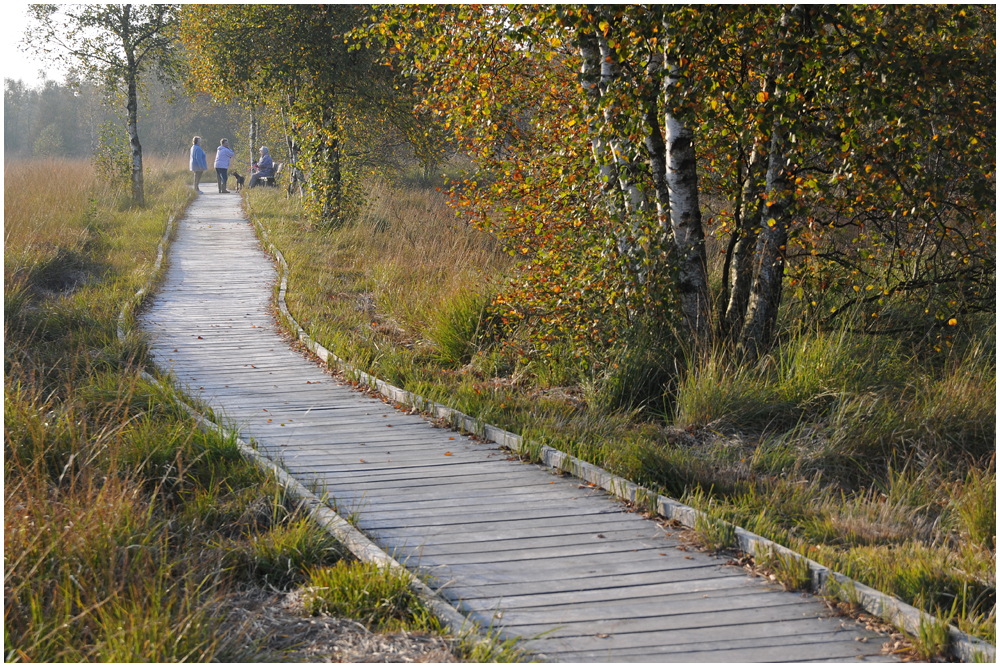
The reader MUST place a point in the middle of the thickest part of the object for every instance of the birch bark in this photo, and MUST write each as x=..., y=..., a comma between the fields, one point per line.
x=132, y=108
x=740, y=273
x=592, y=80
x=772, y=237
x=656, y=149
x=685, y=212
x=634, y=197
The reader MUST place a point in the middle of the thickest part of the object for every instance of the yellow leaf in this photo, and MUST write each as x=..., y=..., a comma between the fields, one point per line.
x=952, y=322
x=772, y=222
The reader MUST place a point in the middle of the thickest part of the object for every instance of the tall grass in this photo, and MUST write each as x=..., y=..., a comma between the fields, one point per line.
x=856, y=450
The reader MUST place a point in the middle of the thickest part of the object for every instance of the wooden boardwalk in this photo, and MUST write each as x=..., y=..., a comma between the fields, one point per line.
x=512, y=545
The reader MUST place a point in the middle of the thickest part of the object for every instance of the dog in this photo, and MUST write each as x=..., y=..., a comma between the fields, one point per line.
x=239, y=179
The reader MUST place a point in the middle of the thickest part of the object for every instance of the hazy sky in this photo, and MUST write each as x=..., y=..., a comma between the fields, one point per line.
x=16, y=63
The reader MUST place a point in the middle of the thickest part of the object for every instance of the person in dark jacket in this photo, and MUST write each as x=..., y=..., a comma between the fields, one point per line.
x=198, y=163
x=265, y=167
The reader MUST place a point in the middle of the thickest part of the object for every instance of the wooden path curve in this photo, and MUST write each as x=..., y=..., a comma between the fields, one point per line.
x=534, y=554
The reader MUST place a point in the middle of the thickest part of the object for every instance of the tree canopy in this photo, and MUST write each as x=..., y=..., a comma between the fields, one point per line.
x=844, y=153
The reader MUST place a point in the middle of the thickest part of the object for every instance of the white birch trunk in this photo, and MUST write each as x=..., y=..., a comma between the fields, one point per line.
x=592, y=81
x=634, y=198
x=132, y=107
x=685, y=212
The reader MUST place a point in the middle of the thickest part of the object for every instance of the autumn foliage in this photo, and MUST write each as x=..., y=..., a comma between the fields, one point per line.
x=849, y=154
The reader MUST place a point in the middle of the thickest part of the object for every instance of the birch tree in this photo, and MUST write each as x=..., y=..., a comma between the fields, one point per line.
x=115, y=44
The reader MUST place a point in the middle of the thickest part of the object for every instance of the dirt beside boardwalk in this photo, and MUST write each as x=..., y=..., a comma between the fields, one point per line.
x=274, y=626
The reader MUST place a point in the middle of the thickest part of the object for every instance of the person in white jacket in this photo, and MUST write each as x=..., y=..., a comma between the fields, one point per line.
x=222, y=157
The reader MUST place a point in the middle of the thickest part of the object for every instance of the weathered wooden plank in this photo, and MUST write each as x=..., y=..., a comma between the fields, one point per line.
x=538, y=487
x=578, y=567
x=494, y=594
x=627, y=631
x=623, y=547
x=574, y=513
x=797, y=650
x=487, y=551
x=802, y=635
x=582, y=614
x=499, y=589
x=727, y=584
x=598, y=525
x=501, y=527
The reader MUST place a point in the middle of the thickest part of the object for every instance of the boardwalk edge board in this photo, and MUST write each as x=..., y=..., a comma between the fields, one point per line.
x=963, y=646
x=358, y=544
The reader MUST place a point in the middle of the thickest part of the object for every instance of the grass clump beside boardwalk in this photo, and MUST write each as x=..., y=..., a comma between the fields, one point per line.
x=377, y=596
x=125, y=527
x=872, y=455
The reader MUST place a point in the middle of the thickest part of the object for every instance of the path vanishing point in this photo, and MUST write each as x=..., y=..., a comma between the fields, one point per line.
x=537, y=555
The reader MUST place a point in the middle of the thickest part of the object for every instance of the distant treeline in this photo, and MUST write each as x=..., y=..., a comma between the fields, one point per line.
x=67, y=119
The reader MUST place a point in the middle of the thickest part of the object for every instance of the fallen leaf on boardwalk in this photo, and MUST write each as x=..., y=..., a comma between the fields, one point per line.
x=662, y=554
x=362, y=460
x=268, y=421
x=447, y=453
x=200, y=338
x=388, y=425
x=175, y=349
x=452, y=438
x=602, y=635
x=264, y=409
x=689, y=557
x=601, y=536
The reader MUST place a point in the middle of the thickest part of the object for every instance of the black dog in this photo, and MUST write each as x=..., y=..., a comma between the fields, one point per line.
x=239, y=179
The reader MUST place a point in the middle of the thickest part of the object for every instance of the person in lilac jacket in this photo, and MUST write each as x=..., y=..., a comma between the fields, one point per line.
x=198, y=163
x=222, y=157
